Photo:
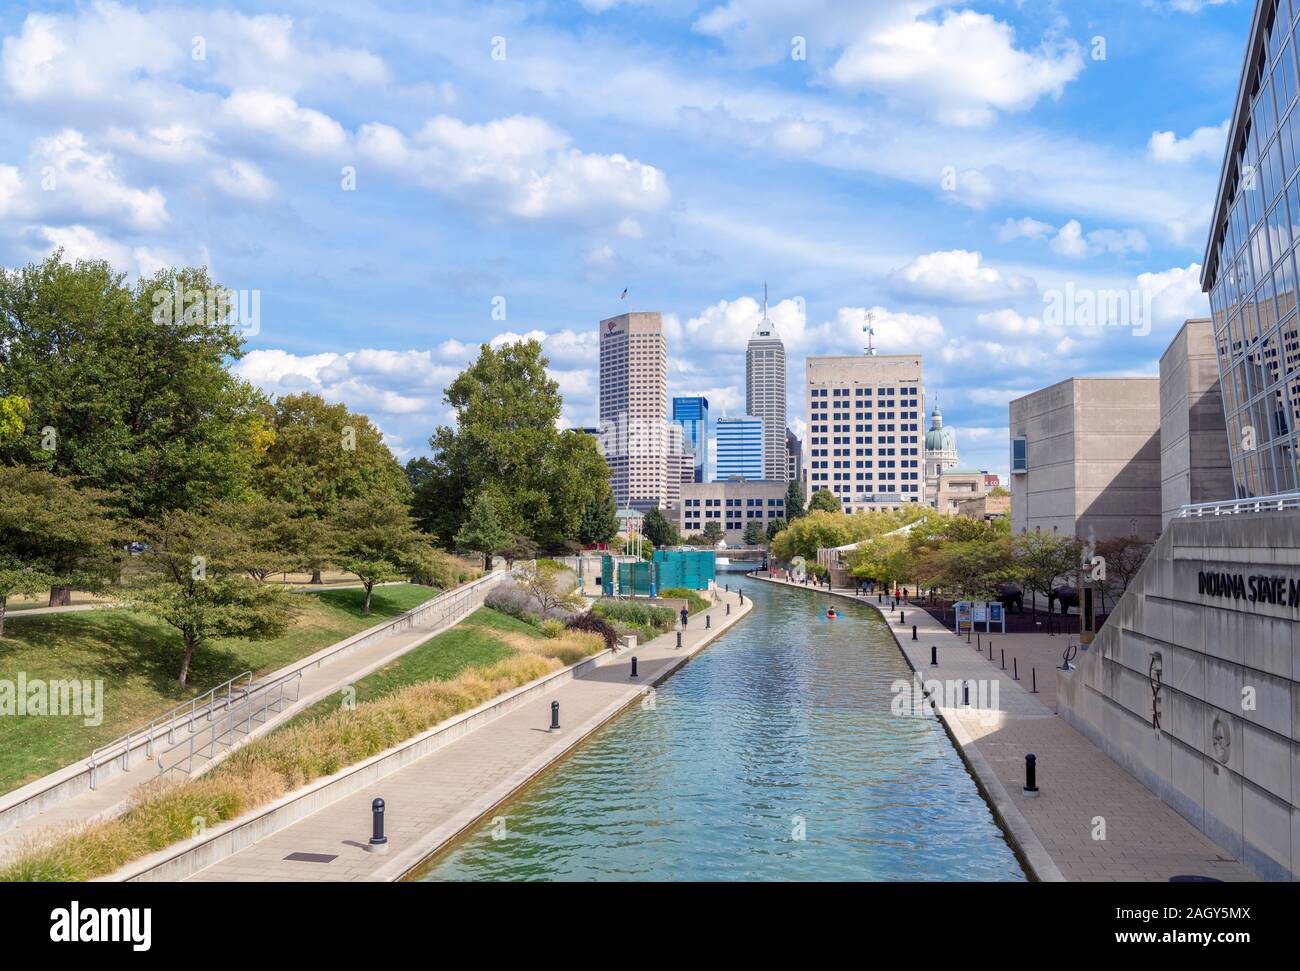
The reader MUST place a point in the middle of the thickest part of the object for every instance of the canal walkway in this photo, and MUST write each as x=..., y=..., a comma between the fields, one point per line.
x=433, y=799
x=1092, y=820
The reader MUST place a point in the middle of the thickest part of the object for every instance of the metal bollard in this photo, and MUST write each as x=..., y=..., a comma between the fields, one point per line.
x=634, y=674
x=979, y=643
x=555, y=716
x=378, y=841
x=708, y=621
x=934, y=655
x=1031, y=775
x=902, y=618
x=1004, y=659
x=1015, y=669
x=965, y=693
x=728, y=588
x=728, y=610
x=1034, y=672
x=914, y=632
x=679, y=638
x=742, y=595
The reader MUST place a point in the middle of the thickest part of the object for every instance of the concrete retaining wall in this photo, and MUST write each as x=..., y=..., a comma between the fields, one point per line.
x=1226, y=754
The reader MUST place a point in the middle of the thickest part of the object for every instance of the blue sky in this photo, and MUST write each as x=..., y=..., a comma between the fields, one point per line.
x=954, y=169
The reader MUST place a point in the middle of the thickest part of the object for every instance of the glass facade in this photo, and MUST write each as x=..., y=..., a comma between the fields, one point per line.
x=1252, y=283
x=740, y=447
x=692, y=413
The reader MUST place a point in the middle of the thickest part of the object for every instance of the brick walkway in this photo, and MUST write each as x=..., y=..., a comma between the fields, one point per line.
x=433, y=799
x=1079, y=785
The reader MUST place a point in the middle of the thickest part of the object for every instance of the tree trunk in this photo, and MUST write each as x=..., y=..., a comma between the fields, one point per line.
x=4, y=602
x=60, y=596
x=369, y=589
x=190, y=644
x=487, y=562
x=315, y=577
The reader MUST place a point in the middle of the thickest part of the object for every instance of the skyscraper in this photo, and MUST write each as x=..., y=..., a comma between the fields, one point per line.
x=740, y=447
x=692, y=413
x=634, y=409
x=765, y=393
x=864, y=430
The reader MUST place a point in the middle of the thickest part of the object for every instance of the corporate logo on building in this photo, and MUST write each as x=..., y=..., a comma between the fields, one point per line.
x=1254, y=588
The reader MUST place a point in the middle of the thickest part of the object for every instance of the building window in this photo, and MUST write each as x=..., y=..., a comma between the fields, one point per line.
x=1019, y=455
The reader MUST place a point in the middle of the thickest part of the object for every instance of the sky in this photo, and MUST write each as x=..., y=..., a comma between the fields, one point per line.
x=1019, y=191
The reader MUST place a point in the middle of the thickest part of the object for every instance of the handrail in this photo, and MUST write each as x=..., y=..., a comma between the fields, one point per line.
x=272, y=696
x=1232, y=507
x=450, y=605
x=167, y=721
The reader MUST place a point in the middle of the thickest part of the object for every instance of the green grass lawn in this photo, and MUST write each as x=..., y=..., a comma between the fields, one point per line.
x=138, y=659
x=469, y=644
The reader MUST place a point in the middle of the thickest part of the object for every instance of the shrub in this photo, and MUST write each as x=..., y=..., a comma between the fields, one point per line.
x=638, y=615
x=694, y=602
x=595, y=624
x=553, y=627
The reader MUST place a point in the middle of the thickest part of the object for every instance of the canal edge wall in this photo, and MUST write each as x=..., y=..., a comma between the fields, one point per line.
x=184, y=859
x=1024, y=841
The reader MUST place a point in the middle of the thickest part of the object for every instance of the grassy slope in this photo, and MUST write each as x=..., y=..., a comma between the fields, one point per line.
x=138, y=658
x=469, y=644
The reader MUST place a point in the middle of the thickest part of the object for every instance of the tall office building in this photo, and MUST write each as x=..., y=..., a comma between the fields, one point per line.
x=1250, y=262
x=864, y=430
x=692, y=413
x=765, y=393
x=634, y=409
x=740, y=447
x=793, y=457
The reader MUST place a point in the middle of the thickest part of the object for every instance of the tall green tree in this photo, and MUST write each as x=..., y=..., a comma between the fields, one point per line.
x=378, y=541
x=126, y=387
x=507, y=441
x=793, y=501
x=658, y=530
x=824, y=500
x=1040, y=559
x=599, y=521
x=482, y=531
x=54, y=528
x=775, y=526
x=193, y=578
x=754, y=534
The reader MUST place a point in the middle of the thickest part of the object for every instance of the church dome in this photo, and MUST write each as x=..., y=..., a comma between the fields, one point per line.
x=938, y=438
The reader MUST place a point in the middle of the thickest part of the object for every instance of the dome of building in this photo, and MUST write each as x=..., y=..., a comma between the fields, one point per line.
x=938, y=438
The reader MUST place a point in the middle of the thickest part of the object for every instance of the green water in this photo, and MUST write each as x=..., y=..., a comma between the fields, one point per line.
x=772, y=755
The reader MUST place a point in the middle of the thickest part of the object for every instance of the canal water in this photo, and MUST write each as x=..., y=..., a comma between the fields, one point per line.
x=771, y=755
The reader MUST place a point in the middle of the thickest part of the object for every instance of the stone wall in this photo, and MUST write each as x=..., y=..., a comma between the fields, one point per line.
x=1226, y=754
x=1194, y=464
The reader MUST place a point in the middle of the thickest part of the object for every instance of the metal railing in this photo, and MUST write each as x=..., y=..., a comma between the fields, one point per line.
x=186, y=713
x=237, y=722
x=1232, y=507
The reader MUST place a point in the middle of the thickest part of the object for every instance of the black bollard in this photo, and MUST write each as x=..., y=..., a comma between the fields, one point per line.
x=742, y=595
x=728, y=588
x=634, y=674
x=377, y=837
x=708, y=621
x=1034, y=672
x=1031, y=775
x=979, y=643
x=913, y=632
x=555, y=716
x=728, y=610
x=1015, y=669
x=965, y=693
x=902, y=617
x=679, y=638
x=1004, y=659
x=934, y=655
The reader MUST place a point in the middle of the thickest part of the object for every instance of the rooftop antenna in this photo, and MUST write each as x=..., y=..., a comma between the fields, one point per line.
x=765, y=300
x=869, y=329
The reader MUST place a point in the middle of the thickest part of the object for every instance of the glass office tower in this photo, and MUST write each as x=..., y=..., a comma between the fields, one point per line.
x=740, y=447
x=692, y=413
x=1250, y=261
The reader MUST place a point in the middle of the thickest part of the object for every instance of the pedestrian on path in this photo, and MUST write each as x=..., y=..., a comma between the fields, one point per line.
x=685, y=614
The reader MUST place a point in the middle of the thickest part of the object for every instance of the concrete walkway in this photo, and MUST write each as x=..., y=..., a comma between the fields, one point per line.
x=1080, y=787
x=114, y=793
x=437, y=797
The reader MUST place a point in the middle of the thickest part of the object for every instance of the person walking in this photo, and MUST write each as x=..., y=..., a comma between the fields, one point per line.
x=685, y=614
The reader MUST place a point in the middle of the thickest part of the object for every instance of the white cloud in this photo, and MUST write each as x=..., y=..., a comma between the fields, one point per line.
x=243, y=180
x=1175, y=294
x=963, y=69
x=519, y=166
x=1204, y=143
x=1069, y=241
x=82, y=243
x=1025, y=228
x=958, y=276
x=283, y=119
